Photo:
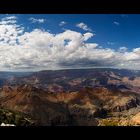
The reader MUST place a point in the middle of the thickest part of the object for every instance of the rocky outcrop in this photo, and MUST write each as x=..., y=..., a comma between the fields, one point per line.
x=33, y=102
x=135, y=120
x=132, y=103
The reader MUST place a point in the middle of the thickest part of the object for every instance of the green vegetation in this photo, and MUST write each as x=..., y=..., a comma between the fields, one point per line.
x=16, y=118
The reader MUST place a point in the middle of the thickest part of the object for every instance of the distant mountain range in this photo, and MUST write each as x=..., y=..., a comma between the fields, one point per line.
x=75, y=79
x=100, y=96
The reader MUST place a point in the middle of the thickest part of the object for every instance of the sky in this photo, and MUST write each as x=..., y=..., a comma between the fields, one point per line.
x=33, y=42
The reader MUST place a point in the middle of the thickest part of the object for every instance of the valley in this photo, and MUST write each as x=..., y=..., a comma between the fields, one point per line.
x=73, y=97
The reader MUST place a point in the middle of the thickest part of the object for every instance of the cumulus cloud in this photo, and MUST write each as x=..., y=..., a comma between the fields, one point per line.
x=83, y=26
x=116, y=23
x=35, y=20
x=9, y=31
x=40, y=49
x=62, y=23
x=8, y=20
x=91, y=45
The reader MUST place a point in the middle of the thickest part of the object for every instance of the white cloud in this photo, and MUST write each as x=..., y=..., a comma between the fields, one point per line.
x=9, y=31
x=9, y=18
x=62, y=23
x=91, y=45
x=42, y=50
x=116, y=23
x=83, y=26
x=35, y=20
x=88, y=36
x=39, y=49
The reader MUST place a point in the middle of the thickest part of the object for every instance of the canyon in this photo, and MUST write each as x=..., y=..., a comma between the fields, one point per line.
x=73, y=97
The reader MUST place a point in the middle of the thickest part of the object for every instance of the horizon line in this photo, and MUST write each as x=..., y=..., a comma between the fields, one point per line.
x=82, y=68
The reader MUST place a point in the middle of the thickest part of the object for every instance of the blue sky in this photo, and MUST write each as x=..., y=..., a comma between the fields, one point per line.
x=127, y=33
x=55, y=41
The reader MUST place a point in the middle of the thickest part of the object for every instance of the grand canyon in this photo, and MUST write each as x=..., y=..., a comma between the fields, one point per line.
x=83, y=97
x=69, y=70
